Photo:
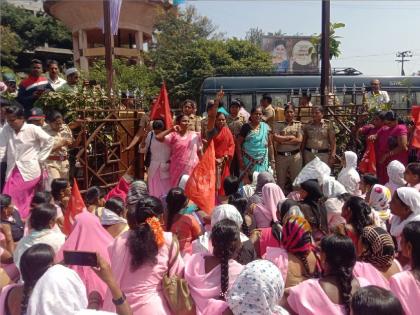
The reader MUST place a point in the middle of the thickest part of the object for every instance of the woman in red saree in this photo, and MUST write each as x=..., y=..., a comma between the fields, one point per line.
x=224, y=147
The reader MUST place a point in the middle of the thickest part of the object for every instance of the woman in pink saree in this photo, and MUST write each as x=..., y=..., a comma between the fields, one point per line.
x=405, y=285
x=210, y=276
x=88, y=235
x=185, y=148
x=140, y=259
x=331, y=294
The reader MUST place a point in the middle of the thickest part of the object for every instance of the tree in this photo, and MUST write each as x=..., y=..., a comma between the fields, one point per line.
x=35, y=30
x=127, y=77
x=188, y=50
x=334, y=42
x=255, y=36
x=10, y=46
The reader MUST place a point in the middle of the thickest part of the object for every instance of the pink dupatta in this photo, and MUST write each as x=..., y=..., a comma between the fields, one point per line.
x=88, y=235
x=267, y=212
x=205, y=287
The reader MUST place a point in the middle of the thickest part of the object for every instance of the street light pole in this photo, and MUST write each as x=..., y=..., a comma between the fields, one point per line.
x=108, y=46
x=325, y=52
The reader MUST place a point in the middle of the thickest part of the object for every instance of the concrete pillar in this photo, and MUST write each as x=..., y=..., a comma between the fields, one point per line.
x=76, y=51
x=139, y=44
x=83, y=61
x=139, y=40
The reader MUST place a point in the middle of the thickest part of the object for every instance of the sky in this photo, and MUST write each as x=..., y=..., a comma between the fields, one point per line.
x=375, y=30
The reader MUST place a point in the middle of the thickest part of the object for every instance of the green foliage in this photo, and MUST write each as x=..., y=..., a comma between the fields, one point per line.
x=334, y=42
x=127, y=77
x=255, y=36
x=34, y=30
x=188, y=50
x=10, y=45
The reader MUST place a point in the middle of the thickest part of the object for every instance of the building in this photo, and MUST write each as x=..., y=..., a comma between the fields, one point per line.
x=85, y=18
x=30, y=5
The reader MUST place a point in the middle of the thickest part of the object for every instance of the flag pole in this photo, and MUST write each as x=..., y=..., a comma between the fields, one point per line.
x=108, y=45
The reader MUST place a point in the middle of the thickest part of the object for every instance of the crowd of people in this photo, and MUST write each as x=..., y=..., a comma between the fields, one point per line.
x=286, y=236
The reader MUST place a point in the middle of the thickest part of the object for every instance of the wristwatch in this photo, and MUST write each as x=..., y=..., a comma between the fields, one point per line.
x=119, y=301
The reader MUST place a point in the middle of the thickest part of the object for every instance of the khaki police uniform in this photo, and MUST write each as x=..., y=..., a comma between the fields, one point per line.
x=58, y=163
x=195, y=123
x=288, y=156
x=268, y=115
x=317, y=140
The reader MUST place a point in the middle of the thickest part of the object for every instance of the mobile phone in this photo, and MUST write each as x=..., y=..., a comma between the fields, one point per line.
x=92, y=82
x=79, y=258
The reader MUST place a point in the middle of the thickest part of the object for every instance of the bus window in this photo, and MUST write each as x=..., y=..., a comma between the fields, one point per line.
x=245, y=98
x=399, y=99
x=208, y=97
x=278, y=99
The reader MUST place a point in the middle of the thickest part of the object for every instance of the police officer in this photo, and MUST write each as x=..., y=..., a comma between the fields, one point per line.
x=319, y=138
x=287, y=136
x=189, y=108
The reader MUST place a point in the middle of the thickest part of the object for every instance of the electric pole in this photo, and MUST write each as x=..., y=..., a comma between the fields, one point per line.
x=403, y=55
x=325, y=52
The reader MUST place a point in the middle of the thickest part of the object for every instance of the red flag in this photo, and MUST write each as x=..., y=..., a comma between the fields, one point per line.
x=415, y=114
x=161, y=109
x=74, y=207
x=368, y=162
x=201, y=186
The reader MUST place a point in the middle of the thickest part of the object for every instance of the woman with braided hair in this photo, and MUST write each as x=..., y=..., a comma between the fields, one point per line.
x=331, y=294
x=377, y=257
x=297, y=259
x=34, y=262
x=357, y=214
x=209, y=276
x=140, y=259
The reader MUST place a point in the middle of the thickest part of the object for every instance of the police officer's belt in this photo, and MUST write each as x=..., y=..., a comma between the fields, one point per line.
x=288, y=153
x=57, y=158
x=317, y=150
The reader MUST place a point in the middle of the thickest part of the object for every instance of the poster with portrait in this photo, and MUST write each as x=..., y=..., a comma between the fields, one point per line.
x=291, y=54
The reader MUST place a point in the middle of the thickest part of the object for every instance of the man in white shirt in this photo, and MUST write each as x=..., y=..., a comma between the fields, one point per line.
x=25, y=147
x=376, y=98
x=53, y=77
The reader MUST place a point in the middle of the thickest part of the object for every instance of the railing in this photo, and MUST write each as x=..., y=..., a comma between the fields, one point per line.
x=101, y=135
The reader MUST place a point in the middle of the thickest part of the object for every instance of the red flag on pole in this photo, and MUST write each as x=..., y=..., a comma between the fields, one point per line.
x=415, y=114
x=368, y=162
x=201, y=186
x=74, y=207
x=161, y=109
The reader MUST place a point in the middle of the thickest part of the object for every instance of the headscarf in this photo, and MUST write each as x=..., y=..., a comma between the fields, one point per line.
x=226, y=211
x=58, y=291
x=296, y=236
x=380, y=197
x=288, y=208
x=138, y=190
x=332, y=187
x=395, y=170
x=411, y=198
x=380, y=247
x=315, y=169
x=313, y=190
x=349, y=176
x=257, y=290
x=263, y=179
x=266, y=212
x=318, y=217
x=88, y=235
x=109, y=217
